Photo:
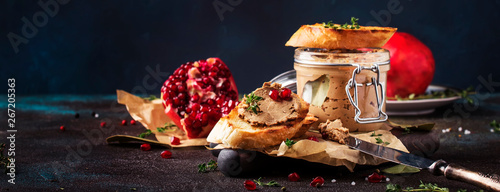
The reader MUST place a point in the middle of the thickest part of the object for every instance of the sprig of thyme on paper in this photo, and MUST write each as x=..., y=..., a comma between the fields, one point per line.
x=166, y=127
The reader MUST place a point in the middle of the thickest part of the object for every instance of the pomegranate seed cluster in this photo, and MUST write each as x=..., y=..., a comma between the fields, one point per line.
x=200, y=92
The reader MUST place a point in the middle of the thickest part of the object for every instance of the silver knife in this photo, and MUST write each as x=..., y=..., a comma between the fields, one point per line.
x=439, y=167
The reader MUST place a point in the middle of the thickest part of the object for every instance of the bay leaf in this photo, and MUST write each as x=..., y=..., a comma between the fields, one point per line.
x=421, y=127
x=315, y=92
x=399, y=169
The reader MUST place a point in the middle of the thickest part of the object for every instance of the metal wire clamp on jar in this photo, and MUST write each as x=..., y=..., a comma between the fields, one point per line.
x=321, y=72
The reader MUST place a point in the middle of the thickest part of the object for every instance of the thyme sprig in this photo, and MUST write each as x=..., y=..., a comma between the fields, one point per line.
x=145, y=134
x=289, y=142
x=375, y=135
x=354, y=24
x=205, y=167
x=4, y=161
x=496, y=126
x=150, y=98
x=380, y=141
x=251, y=100
x=422, y=187
x=166, y=127
x=465, y=94
x=269, y=184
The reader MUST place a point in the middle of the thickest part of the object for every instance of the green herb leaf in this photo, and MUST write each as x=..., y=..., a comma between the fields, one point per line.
x=406, y=131
x=432, y=187
x=375, y=135
x=146, y=133
x=150, y=98
x=330, y=24
x=4, y=160
x=202, y=168
x=289, y=142
x=408, y=128
x=269, y=184
x=354, y=24
x=399, y=169
x=380, y=141
x=495, y=125
x=252, y=100
x=344, y=26
x=205, y=167
x=393, y=188
x=167, y=127
x=422, y=187
x=465, y=94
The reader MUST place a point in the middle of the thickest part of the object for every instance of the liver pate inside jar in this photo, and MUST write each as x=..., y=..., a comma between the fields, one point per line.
x=344, y=84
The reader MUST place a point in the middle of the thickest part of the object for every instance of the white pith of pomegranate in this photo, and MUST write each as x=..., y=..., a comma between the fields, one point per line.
x=198, y=94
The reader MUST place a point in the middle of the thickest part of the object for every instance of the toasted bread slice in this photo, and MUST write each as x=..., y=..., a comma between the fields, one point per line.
x=245, y=130
x=317, y=36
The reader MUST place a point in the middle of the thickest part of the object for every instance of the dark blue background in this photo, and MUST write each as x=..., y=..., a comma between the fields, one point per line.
x=95, y=47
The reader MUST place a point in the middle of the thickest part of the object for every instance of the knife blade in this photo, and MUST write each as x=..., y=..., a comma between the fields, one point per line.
x=439, y=167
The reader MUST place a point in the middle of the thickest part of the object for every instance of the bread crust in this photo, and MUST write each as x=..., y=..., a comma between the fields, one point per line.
x=317, y=36
x=234, y=132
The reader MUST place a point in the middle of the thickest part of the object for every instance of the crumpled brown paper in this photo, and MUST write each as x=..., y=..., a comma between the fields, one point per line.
x=333, y=153
x=151, y=115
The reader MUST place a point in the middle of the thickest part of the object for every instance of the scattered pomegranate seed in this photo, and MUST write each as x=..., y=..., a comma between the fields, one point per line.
x=376, y=178
x=293, y=177
x=145, y=147
x=317, y=182
x=166, y=154
x=274, y=94
x=313, y=138
x=62, y=128
x=175, y=141
x=250, y=185
x=124, y=122
x=103, y=124
x=132, y=122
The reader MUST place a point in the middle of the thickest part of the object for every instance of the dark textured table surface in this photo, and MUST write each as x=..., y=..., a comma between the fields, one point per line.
x=78, y=159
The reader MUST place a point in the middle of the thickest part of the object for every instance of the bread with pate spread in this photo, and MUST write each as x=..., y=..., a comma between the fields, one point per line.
x=336, y=37
x=260, y=121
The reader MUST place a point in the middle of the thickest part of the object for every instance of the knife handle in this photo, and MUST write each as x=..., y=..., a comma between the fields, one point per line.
x=459, y=173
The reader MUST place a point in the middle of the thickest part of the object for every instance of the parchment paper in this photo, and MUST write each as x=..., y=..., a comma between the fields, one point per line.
x=151, y=115
x=335, y=154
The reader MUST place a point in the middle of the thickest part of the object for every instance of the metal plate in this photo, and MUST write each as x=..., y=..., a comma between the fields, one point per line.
x=287, y=79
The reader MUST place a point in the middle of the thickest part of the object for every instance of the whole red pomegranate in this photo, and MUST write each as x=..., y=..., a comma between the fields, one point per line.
x=412, y=65
x=198, y=94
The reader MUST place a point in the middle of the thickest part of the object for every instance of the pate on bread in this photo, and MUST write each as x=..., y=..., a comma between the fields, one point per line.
x=264, y=122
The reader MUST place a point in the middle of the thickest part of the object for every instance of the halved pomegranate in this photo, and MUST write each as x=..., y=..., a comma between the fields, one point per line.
x=198, y=94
